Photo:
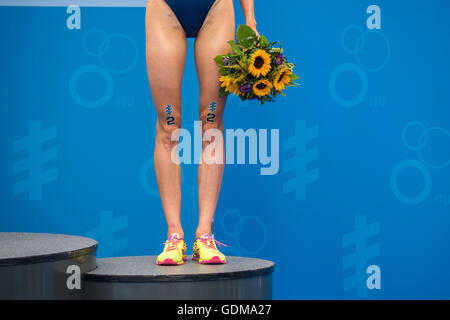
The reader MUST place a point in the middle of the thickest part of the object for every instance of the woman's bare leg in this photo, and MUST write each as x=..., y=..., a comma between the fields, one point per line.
x=166, y=54
x=211, y=41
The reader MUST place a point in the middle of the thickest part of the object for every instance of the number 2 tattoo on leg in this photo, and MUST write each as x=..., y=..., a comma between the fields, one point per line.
x=211, y=115
x=170, y=120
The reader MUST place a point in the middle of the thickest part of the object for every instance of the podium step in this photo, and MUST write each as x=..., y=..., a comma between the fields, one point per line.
x=140, y=278
x=35, y=265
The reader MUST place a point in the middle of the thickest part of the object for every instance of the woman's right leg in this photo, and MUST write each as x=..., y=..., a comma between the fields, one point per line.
x=166, y=55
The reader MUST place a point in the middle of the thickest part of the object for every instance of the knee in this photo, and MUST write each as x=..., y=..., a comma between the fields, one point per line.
x=211, y=120
x=167, y=132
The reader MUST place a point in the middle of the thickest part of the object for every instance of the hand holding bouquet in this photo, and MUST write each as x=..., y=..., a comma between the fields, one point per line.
x=257, y=68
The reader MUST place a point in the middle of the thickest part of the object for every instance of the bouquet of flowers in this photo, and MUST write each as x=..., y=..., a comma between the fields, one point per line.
x=257, y=68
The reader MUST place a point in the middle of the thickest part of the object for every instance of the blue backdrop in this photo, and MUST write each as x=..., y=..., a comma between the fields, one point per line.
x=364, y=173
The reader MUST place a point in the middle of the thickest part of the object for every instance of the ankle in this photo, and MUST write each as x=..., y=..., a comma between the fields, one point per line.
x=201, y=232
x=176, y=230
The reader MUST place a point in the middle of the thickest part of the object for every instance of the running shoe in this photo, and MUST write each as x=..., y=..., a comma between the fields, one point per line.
x=206, y=252
x=174, y=252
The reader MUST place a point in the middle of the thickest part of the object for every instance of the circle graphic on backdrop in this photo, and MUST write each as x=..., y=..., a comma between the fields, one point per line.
x=356, y=50
x=420, y=143
x=225, y=230
x=410, y=200
x=364, y=84
x=91, y=103
x=100, y=50
x=144, y=181
x=239, y=227
x=363, y=40
x=425, y=137
x=358, y=45
x=106, y=45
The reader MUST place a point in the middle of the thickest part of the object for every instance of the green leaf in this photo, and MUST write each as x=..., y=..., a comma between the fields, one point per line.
x=235, y=47
x=294, y=76
x=219, y=60
x=252, y=44
x=224, y=71
x=263, y=41
x=222, y=92
x=246, y=36
x=243, y=32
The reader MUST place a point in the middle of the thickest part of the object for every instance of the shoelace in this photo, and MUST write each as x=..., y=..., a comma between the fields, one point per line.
x=208, y=241
x=173, y=243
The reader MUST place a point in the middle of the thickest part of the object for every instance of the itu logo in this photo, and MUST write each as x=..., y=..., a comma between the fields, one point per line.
x=169, y=110
x=433, y=141
x=303, y=156
x=212, y=106
x=117, y=54
x=371, y=50
x=170, y=120
x=211, y=115
x=36, y=157
x=359, y=258
x=104, y=233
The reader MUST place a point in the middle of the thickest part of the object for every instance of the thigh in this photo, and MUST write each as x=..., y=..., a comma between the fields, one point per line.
x=165, y=54
x=211, y=41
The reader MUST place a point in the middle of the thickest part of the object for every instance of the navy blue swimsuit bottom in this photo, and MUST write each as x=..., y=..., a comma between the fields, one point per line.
x=191, y=14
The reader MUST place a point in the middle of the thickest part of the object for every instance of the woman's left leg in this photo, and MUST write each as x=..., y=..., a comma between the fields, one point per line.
x=211, y=41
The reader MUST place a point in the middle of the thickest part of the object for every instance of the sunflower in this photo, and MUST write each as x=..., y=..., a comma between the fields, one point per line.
x=260, y=63
x=282, y=78
x=230, y=84
x=262, y=88
x=237, y=90
x=225, y=81
x=232, y=87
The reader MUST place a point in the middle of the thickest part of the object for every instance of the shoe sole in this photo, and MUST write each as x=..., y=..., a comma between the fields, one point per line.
x=170, y=262
x=213, y=260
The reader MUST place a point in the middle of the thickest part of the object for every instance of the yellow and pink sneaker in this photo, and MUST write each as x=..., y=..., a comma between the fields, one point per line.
x=174, y=252
x=206, y=252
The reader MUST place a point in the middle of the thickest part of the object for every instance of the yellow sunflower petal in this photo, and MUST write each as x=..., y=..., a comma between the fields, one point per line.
x=260, y=63
x=282, y=78
x=225, y=81
x=262, y=88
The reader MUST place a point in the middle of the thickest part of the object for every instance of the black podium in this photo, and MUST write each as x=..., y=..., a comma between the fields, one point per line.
x=42, y=266
x=141, y=278
x=36, y=265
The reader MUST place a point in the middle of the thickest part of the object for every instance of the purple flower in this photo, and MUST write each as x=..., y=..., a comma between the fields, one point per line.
x=279, y=59
x=227, y=62
x=246, y=88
